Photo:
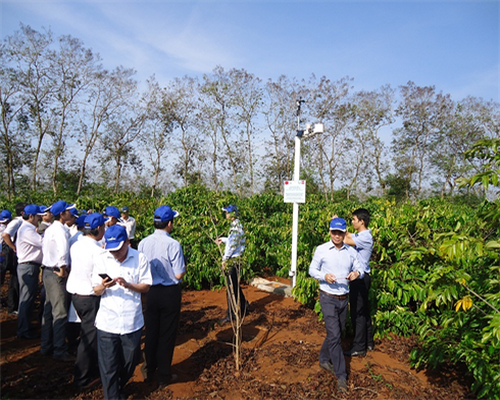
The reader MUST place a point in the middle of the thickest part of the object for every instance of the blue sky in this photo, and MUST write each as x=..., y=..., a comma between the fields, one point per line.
x=453, y=45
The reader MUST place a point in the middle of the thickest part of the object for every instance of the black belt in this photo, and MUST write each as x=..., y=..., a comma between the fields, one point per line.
x=32, y=263
x=337, y=296
x=84, y=295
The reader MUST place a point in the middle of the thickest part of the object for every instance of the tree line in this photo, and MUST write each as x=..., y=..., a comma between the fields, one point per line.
x=68, y=123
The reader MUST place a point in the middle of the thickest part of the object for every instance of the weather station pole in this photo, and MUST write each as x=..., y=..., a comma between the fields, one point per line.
x=301, y=134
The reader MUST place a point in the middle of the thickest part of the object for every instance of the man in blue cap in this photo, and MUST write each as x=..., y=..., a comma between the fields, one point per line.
x=86, y=302
x=56, y=262
x=29, y=256
x=234, y=247
x=121, y=274
x=163, y=301
x=334, y=265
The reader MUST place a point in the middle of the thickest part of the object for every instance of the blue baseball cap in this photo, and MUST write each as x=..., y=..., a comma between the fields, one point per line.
x=60, y=206
x=165, y=213
x=5, y=216
x=112, y=211
x=93, y=220
x=33, y=209
x=230, y=208
x=338, y=224
x=80, y=221
x=115, y=236
x=124, y=209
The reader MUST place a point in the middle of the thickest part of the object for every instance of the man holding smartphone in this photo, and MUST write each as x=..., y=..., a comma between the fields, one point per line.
x=119, y=320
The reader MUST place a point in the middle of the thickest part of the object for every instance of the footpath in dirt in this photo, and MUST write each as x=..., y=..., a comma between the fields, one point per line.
x=281, y=342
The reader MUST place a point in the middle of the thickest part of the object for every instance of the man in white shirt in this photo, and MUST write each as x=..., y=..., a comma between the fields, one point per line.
x=55, y=271
x=163, y=301
x=83, y=253
x=29, y=260
x=120, y=276
x=129, y=223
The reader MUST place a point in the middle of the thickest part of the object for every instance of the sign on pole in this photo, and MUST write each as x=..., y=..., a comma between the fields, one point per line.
x=294, y=192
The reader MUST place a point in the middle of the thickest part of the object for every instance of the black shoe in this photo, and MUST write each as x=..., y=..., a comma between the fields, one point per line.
x=66, y=357
x=354, y=353
x=327, y=366
x=370, y=347
x=29, y=336
x=342, y=386
x=173, y=379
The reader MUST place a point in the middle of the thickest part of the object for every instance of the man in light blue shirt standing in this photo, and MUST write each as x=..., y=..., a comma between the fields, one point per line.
x=362, y=241
x=163, y=301
x=334, y=265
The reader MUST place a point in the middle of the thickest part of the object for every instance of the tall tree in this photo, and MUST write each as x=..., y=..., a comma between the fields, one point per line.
x=366, y=155
x=180, y=105
x=281, y=120
x=72, y=68
x=247, y=100
x=423, y=112
x=31, y=53
x=331, y=105
x=12, y=104
x=109, y=95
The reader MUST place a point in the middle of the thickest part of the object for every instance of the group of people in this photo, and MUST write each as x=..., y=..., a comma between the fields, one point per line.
x=342, y=268
x=88, y=262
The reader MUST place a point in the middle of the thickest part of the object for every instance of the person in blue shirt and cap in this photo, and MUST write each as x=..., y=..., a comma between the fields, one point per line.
x=234, y=247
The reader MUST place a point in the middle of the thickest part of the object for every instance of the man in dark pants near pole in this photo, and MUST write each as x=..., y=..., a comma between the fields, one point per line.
x=235, y=245
x=334, y=265
x=362, y=241
x=163, y=301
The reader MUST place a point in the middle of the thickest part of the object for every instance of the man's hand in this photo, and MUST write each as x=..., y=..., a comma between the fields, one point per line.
x=353, y=275
x=330, y=278
x=223, y=265
x=107, y=283
x=122, y=282
x=62, y=272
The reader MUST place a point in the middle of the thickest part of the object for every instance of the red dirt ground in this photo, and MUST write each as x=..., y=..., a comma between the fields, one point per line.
x=281, y=342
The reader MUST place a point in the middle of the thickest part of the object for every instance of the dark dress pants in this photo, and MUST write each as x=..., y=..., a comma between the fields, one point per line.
x=86, y=366
x=232, y=271
x=335, y=314
x=360, y=313
x=13, y=294
x=118, y=356
x=163, y=308
x=27, y=274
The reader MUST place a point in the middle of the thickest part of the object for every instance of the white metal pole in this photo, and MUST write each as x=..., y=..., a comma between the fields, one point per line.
x=295, y=223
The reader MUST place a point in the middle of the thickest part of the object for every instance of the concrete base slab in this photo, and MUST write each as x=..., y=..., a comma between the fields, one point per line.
x=272, y=287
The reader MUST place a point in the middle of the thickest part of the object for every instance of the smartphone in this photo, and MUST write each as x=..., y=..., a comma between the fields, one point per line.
x=105, y=276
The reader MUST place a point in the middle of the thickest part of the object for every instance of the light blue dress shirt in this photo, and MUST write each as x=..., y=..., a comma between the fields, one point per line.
x=165, y=257
x=328, y=259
